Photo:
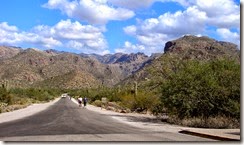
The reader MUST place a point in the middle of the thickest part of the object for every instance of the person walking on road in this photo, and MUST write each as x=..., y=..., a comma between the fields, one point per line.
x=80, y=101
x=85, y=101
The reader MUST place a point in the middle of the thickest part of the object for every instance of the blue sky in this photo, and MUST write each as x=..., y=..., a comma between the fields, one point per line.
x=110, y=26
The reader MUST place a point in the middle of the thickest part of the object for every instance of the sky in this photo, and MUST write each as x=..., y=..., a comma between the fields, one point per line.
x=113, y=26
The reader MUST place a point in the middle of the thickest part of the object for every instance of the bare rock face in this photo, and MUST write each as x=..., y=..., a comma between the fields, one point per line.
x=168, y=46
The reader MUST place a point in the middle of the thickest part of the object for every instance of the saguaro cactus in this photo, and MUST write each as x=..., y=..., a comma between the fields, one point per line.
x=135, y=88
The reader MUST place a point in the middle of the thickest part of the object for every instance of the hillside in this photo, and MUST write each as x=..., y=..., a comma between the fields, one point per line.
x=8, y=52
x=75, y=79
x=33, y=67
x=187, y=47
x=202, y=48
x=127, y=63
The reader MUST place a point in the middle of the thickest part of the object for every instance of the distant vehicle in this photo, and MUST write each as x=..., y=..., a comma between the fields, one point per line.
x=64, y=95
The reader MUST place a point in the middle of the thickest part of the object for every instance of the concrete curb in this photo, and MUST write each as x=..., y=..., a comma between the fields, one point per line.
x=215, y=137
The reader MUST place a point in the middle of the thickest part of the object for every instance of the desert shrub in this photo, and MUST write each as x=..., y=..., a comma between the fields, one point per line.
x=103, y=92
x=77, y=92
x=5, y=96
x=17, y=98
x=203, y=89
x=142, y=102
x=2, y=106
x=218, y=122
x=158, y=109
x=128, y=101
x=97, y=103
x=146, y=101
x=31, y=94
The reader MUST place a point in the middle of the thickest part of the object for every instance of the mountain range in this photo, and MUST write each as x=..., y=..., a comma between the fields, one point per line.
x=51, y=68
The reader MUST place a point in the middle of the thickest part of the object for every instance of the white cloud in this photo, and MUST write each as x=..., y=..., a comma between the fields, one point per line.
x=153, y=39
x=229, y=36
x=137, y=4
x=128, y=47
x=132, y=4
x=75, y=44
x=65, y=34
x=154, y=32
x=10, y=35
x=87, y=47
x=217, y=7
x=50, y=42
x=92, y=11
x=131, y=30
x=192, y=20
x=177, y=24
x=221, y=13
x=68, y=30
x=197, y=17
x=5, y=27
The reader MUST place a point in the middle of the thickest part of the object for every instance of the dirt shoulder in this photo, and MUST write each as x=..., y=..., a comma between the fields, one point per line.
x=28, y=111
x=150, y=122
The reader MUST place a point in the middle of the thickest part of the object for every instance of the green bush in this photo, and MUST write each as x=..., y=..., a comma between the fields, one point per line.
x=203, y=89
x=31, y=94
x=142, y=102
x=128, y=101
x=15, y=98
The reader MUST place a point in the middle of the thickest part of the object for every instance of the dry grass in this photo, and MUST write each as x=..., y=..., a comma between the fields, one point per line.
x=219, y=122
x=11, y=108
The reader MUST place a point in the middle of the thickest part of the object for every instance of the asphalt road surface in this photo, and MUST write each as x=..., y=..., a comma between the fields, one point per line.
x=65, y=121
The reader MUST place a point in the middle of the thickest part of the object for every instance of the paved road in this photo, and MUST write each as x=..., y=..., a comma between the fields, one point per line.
x=65, y=121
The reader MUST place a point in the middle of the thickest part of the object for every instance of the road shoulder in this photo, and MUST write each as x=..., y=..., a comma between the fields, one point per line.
x=28, y=111
x=150, y=122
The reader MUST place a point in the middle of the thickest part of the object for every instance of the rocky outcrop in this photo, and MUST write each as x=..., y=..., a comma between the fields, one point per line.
x=190, y=46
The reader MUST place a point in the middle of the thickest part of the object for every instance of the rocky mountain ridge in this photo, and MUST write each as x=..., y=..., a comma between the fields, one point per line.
x=8, y=51
x=201, y=47
x=184, y=48
x=51, y=68
x=34, y=68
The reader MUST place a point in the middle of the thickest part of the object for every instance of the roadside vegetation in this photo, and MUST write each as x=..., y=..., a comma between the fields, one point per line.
x=183, y=91
x=190, y=93
x=17, y=98
x=119, y=99
x=203, y=94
